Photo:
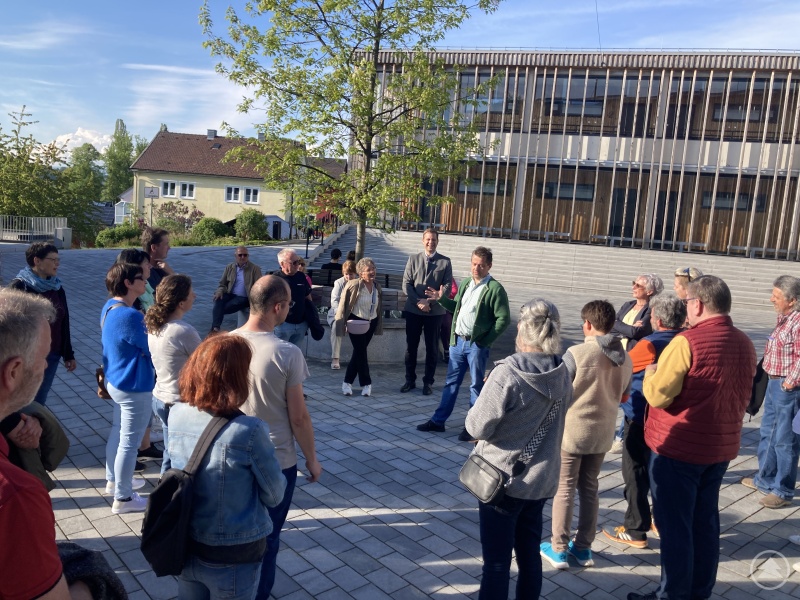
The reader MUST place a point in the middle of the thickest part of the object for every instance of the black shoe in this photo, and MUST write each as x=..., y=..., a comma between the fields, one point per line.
x=139, y=467
x=407, y=386
x=635, y=596
x=150, y=453
x=466, y=436
x=430, y=426
x=427, y=390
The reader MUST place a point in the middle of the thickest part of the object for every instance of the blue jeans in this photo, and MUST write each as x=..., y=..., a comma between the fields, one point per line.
x=161, y=409
x=49, y=375
x=201, y=580
x=463, y=356
x=292, y=332
x=278, y=516
x=513, y=524
x=686, y=510
x=132, y=412
x=779, y=446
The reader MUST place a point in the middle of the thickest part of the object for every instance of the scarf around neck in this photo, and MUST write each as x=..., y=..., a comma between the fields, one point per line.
x=39, y=285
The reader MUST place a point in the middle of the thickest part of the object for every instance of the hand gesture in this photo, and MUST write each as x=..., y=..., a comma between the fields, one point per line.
x=27, y=432
x=71, y=365
x=424, y=306
x=434, y=294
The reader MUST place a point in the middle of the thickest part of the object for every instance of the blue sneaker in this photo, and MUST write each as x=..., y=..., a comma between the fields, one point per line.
x=557, y=559
x=584, y=557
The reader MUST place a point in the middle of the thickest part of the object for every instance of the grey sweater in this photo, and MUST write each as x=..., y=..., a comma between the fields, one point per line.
x=513, y=403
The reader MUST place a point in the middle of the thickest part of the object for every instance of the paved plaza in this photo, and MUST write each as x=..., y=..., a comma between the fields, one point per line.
x=388, y=518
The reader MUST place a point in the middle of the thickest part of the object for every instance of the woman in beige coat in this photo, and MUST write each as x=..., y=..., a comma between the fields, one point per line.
x=360, y=313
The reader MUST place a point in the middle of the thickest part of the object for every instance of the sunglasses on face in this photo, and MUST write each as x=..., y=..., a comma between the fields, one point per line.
x=242, y=255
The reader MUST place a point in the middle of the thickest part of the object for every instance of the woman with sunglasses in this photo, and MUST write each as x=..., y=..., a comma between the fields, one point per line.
x=130, y=379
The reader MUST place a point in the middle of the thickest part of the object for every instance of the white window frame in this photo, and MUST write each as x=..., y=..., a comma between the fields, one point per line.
x=189, y=195
x=231, y=195
x=250, y=192
x=166, y=184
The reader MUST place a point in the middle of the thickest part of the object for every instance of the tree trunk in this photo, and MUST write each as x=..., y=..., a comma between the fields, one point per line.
x=361, y=237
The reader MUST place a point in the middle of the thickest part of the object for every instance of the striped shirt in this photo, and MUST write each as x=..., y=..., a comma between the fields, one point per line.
x=366, y=305
x=782, y=354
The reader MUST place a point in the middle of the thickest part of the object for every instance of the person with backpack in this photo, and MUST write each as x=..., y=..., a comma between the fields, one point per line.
x=238, y=479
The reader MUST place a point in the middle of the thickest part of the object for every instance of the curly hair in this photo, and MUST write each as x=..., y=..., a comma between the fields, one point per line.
x=172, y=290
x=216, y=378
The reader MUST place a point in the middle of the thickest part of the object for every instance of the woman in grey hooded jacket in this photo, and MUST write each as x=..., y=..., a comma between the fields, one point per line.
x=515, y=400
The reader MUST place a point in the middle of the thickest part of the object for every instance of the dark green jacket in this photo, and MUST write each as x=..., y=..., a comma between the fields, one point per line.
x=493, y=314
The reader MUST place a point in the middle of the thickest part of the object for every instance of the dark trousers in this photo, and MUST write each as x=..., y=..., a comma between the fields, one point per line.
x=278, y=516
x=686, y=510
x=513, y=524
x=226, y=305
x=635, y=474
x=415, y=326
x=359, y=364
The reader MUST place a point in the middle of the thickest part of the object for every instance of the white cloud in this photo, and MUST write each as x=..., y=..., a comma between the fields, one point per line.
x=84, y=136
x=189, y=100
x=43, y=36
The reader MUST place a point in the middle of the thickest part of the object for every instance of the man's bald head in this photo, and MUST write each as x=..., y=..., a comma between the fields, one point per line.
x=267, y=292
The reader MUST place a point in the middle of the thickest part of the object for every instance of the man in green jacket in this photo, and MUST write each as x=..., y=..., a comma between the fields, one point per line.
x=480, y=316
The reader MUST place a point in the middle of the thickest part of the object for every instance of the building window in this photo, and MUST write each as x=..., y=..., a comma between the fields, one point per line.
x=168, y=189
x=474, y=187
x=251, y=195
x=725, y=201
x=232, y=194
x=552, y=190
x=187, y=190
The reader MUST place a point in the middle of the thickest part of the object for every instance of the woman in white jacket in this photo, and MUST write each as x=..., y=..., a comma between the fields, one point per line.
x=348, y=273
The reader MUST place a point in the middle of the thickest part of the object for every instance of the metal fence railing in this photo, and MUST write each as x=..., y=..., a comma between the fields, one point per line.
x=29, y=229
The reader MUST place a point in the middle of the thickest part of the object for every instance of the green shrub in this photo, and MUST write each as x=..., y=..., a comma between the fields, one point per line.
x=208, y=229
x=117, y=236
x=251, y=224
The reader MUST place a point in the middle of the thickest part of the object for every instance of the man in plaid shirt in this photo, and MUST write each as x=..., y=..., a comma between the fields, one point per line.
x=779, y=446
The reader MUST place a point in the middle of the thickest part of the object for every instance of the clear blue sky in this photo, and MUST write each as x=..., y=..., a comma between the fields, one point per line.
x=78, y=66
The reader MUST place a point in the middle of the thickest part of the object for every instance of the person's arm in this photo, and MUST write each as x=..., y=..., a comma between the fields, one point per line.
x=257, y=274
x=66, y=344
x=490, y=407
x=635, y=332
x=793, y=377
x=570, y=364
x=502, y=316
x=408, y=281
x=664, y=381
x=302, y=429
x=642, y=355
x=266, y=470
x=447, y=278
x=27, y=432
x=222, y=287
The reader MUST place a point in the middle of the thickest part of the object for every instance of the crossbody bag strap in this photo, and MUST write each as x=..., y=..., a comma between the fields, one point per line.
x=110, y=308
x=533, y=444
x=204, y=443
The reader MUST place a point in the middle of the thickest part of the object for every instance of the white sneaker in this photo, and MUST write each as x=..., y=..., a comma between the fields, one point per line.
x=135, y=504
x=347, y=389
x=136, y=484
x=367, y=390
x=616, y=447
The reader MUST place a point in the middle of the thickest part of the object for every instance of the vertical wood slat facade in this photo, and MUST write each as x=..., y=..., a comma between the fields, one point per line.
x=689, y=151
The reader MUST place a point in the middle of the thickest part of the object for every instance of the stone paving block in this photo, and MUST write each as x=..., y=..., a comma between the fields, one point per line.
x=300, y=594
x=347, y=578
x=313, y=582
x=386, y=581
x=407, y=547
x=284, y=585
x=409, y=592
x=291, y=562
x=330, y=540
x=450, y=593
x=321, y=559
x=398, y=563
x=370, y=592
x=161, y=588
x=334, y=594
x=74, y=524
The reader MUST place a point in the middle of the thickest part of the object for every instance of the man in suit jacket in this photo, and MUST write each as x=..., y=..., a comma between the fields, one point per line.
x=232, y=292
x=428, y=269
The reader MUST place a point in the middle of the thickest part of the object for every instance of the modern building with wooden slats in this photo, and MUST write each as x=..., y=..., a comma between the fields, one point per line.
x=680, y=150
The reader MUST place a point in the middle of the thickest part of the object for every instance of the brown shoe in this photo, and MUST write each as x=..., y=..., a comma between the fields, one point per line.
x=773, y=501
x=748, y=482
x=654, y=530
x=622, y=536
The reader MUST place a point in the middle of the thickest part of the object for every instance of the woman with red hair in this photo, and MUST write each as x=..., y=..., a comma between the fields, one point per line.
x=237, y=480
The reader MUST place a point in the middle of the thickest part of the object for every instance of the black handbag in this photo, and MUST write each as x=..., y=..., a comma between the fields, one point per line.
x=488, y=483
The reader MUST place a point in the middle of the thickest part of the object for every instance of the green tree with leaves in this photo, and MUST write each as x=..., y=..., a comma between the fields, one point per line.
x=315, y=67
x=118, y=158
x=85, y=175
x=34, y=182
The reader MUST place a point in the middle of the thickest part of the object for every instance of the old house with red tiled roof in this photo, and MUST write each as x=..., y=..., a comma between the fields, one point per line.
x=189, y=168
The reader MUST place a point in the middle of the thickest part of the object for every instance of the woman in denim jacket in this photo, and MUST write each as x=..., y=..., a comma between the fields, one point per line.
x=236, y=481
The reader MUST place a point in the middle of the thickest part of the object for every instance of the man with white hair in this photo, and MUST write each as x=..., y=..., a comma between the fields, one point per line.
x=27, y=524
x=294, y=329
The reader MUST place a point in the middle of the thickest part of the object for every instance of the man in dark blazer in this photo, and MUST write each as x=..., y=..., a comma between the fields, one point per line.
x=424, y=270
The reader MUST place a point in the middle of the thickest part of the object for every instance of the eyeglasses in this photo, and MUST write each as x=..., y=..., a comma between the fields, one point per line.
x=687, y=300
x=291, y=303
x=55, y=259
x=242, y=255
x=636, y=284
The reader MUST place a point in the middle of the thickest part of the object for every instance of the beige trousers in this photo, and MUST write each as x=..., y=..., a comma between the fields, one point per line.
x=577, y=471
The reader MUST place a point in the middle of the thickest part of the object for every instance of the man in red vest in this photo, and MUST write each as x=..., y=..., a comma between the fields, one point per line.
x=697, y=395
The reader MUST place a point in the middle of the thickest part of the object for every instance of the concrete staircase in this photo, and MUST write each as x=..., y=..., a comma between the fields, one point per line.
x=524, y=267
